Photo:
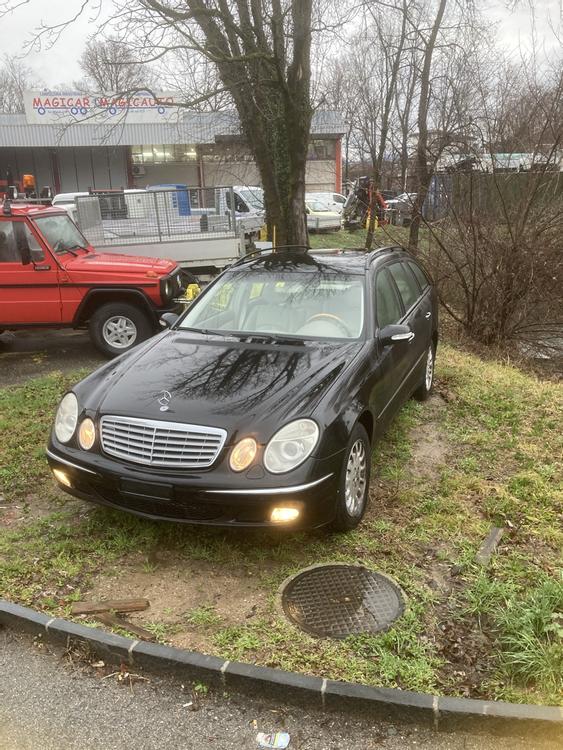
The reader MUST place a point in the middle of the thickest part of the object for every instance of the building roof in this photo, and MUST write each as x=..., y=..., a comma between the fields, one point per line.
x=192, y=128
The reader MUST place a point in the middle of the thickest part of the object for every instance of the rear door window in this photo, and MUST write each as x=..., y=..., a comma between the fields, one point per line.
x=406, y=284
x=419, y=273
x=387, y=305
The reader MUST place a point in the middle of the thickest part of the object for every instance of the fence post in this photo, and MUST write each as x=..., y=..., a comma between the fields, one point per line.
x=157, y=216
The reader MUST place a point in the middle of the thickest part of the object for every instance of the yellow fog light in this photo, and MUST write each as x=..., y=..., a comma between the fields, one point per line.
x=243, y=454
x=62, y=477
x=87, y=434
x=284, y=514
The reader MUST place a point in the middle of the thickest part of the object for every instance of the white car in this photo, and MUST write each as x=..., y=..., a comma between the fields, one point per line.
x=320, y=217
x=334, y=201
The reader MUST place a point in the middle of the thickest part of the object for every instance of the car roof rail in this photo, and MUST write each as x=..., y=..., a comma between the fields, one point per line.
x=267, y=251
x=373, y=254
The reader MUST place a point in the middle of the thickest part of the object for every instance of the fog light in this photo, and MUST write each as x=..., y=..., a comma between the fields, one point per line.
x=87, y=434
x=243, y=454
x=62, y=477
x=284, y=515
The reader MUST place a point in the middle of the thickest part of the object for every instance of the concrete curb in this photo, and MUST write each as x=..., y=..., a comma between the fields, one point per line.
x=494, y=717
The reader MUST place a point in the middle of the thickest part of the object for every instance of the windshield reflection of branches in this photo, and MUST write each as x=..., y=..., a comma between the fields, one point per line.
x=278, y=296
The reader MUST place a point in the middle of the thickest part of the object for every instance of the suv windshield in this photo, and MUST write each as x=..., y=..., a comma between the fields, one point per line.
x=312, y=304
x=61, y=233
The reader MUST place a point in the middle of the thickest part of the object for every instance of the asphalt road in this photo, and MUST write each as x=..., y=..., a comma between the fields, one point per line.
x=50, y=703
x=27, y=354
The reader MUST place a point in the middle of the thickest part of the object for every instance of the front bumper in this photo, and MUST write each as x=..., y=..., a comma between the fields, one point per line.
x=197, y=499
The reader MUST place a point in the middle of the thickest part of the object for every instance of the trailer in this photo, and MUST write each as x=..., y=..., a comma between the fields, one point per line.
x=196, y=227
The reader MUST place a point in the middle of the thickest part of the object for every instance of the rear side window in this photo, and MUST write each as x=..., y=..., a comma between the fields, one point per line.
x=9, y=252
x=419, y=273
x=406, y=284
x=387, y=305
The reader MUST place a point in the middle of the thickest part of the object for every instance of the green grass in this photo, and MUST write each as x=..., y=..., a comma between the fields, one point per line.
x=503, y=437
x=386, y=235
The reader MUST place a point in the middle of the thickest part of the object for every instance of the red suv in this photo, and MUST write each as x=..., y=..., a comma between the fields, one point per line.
x=50, y=276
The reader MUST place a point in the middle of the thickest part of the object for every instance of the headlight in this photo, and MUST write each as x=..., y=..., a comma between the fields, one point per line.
x=291, y=445
x=243, y=454
x=67, y=417
x=87, y=434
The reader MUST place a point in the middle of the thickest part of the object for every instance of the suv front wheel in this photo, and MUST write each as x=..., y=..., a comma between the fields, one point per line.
x=117, y=327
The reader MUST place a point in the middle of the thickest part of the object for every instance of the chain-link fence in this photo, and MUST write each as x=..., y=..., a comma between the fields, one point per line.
x=164, y=214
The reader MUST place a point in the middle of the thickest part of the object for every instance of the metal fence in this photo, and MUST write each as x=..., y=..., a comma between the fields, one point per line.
x=164, y=214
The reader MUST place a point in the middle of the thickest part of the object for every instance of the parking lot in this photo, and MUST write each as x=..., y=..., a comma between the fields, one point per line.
x=28, y=354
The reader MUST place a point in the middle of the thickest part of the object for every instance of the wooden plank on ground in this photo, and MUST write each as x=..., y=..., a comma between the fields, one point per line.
x=110, y=605
x=119, y=622
x=489, y=546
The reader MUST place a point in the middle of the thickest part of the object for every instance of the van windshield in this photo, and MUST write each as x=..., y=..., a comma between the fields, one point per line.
x=61, y=233
x=254, y=197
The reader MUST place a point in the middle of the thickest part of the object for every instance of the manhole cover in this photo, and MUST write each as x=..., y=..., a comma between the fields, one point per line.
x=340, y=600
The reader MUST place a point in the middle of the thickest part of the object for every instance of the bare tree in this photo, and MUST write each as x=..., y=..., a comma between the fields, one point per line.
x=110, y=67
x=15, y=78
x=262, y=56
x=423, y=172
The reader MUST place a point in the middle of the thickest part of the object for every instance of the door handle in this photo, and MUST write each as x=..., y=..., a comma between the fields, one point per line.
x=403, y=337
x=428, y=315
x=45, y=267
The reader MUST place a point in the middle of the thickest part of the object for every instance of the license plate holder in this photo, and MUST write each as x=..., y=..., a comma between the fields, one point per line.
x=147, y=489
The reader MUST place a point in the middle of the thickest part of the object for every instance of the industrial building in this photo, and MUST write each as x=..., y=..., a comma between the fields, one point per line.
x=199, y=149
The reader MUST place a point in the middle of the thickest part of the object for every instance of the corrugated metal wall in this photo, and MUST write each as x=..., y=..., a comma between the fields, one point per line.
x=79, y=168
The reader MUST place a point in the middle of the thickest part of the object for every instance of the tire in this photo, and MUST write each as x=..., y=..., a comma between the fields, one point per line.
x=425, y=388
x=115, y=328
x=350, y=513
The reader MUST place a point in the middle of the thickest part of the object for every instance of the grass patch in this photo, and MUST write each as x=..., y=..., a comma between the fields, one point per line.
x=503, y=440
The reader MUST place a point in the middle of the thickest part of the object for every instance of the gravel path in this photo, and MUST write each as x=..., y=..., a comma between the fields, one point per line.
x=47, y=703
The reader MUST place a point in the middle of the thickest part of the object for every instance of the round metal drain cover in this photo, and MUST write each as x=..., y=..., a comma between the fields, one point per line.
x=340, y=600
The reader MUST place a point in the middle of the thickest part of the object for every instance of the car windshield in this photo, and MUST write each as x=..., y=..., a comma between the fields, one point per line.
x=309, y=304
x=317, y=206
x=61, y=233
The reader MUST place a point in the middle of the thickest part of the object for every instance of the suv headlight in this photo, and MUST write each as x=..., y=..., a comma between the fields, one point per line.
x=67, y=417
x=291, y=445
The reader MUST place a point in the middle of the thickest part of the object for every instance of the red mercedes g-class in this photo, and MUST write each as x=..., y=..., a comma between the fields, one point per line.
x=50, y=276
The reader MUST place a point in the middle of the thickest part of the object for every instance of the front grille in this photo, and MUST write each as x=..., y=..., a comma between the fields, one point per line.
x=156, y=443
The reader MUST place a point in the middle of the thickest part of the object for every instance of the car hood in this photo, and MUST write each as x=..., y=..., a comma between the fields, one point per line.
x=119, y=263
x=241, y=387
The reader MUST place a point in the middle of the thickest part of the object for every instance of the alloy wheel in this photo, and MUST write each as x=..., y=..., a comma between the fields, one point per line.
x=119, y=332
x=356, y=479
x=429, y=370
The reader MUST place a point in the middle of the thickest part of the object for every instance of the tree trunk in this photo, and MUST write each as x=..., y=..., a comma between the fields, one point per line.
x=423, y=173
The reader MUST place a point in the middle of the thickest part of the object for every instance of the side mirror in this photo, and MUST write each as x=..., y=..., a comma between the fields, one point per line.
x=395, y=333
x=25, y=253
x=167, y=320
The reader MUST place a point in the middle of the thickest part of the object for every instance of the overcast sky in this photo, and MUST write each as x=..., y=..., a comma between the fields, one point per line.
x=60, y=63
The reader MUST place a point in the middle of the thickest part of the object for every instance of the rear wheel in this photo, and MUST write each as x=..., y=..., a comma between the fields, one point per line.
x=354, y=481
x=425, y=388
x=117, y=327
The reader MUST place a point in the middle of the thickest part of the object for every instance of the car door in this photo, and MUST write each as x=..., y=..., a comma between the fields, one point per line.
x=29, y=291
x=417, y=316
x=392, y=359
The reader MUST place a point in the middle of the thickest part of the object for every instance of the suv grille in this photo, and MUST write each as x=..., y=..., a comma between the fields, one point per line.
x=155, y=443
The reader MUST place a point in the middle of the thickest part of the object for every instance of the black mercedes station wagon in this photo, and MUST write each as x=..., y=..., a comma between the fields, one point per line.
x=261, y=404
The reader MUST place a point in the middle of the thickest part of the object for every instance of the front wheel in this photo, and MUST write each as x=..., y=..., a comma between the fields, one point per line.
x=425, y=388
x=353, y=490
x=117, y=327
